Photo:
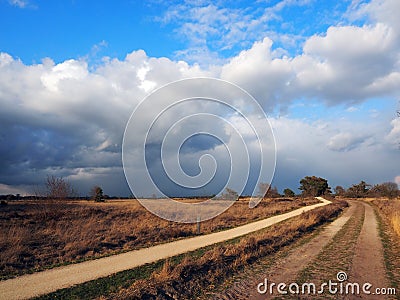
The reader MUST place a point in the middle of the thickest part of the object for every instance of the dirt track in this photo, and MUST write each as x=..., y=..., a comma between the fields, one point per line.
x=365, y=260
x=287, y=268
x=368, y=264
x=36, y=284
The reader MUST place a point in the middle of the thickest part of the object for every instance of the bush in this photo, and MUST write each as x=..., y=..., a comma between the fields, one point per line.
x=288, y=193
x=97, y=194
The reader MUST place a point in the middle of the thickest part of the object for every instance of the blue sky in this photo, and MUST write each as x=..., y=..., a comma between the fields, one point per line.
x=72, y=29
x=32, y=30
x=71, y=72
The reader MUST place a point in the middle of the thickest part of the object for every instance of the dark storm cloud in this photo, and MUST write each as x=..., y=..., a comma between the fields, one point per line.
x=68, y=119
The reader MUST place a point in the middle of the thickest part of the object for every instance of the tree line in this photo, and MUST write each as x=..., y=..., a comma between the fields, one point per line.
x=57, y=188
x=313, y=186
x=364, y=190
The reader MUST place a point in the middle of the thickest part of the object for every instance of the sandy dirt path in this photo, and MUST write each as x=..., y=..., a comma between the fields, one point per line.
x=368, y=263
x=31, y=285
x=287, y=268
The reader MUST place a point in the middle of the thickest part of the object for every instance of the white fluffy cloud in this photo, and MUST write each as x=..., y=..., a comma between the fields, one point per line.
x=394, y=135
x=260, y=73
x=347, y=65
x=345, y=141
x=68, y=119
x=343, y=150
x=64, y=119
x=18, y=3
x=68, y=70
x=383, y=11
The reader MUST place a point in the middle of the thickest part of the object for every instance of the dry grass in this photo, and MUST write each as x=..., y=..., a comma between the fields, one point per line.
x=395, y=221
x=188, y=278
x=39, y=235
x=390, y=210
x=388, y=216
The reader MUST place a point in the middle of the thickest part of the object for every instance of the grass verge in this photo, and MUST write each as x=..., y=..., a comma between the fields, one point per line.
x=385, y=210
x=243, y=281
x=187, y=276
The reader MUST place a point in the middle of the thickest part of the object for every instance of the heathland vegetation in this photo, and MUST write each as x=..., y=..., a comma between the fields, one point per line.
x=55, y=229
x=191, y=275
x=39, y=234
x=388, y=211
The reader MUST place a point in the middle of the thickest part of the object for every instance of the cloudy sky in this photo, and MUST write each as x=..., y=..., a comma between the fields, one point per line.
x=326, y=73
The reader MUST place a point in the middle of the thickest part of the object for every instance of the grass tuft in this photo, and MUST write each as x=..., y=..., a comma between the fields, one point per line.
x=395, y=221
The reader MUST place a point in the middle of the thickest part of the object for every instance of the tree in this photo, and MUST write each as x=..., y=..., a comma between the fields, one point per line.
x=266, y=191
x=230, y=194
x=314, y=186
x=386, y=189
x=263, y=188
x=96, y=194
x=340, y=191
x=375, y=191
x=390, y=190
x=273, y=192
x=57, y=188
x=358, y=190
x=288, y=193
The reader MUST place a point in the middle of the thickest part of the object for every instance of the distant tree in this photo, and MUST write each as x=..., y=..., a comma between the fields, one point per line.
x=314, y=186
x=230, y=194
x=266, y=191
x=386, y=189
x=340, y=191
x=57, y=188
x=375, y=191
x=390, y=190
x=263, y=188
x=288, y=193
x=96, y=194
x=273, y=193
x=358, y=190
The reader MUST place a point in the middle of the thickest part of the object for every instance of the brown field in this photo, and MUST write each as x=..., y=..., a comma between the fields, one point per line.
x=37, y=235
x=194, y=275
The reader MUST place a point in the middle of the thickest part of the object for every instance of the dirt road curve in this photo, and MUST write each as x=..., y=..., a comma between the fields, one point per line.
x=40, y=283
x=366, y=260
